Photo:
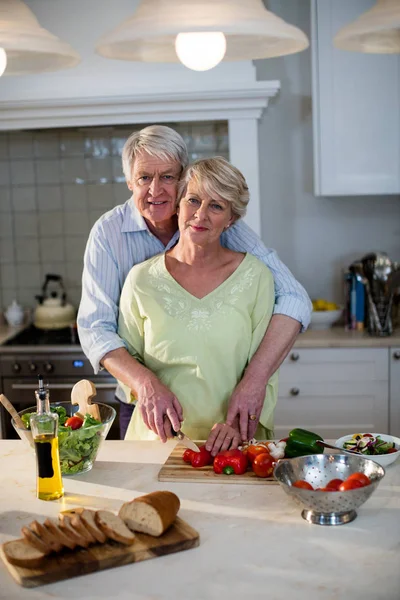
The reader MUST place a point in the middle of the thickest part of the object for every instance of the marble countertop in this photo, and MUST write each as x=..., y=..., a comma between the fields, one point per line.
x=254, y=543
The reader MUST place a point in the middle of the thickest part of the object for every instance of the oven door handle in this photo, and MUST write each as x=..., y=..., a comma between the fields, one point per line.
x=61, y=386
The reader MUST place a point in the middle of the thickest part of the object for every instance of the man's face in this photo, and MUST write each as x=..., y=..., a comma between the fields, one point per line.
x=154, y=185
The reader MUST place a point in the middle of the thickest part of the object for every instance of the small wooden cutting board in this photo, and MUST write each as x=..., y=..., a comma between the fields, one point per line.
x=175, y=469
x=67, y=564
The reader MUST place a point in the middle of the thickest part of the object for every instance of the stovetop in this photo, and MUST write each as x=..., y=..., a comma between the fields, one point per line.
x=44, y=337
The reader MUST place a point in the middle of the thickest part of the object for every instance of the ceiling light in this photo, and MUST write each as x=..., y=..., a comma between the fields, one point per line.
x=202, y=50
x=375, y=31
x=251, y=31
x=29, y=48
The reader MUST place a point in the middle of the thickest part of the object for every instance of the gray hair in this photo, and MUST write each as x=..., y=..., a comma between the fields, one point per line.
x=217, y=176
x=157, y=140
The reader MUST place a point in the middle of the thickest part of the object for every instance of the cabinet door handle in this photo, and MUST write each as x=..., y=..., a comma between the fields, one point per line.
x=396, y=355
x=294, y=356
x=294, y=391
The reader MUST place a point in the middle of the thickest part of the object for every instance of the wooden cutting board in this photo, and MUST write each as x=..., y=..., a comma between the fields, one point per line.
x=174, y=469
x=67, y=564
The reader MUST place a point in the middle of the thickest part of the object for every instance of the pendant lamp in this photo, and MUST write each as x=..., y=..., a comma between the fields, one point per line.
x=26, y=47
x=201, y=33
x=375, y=31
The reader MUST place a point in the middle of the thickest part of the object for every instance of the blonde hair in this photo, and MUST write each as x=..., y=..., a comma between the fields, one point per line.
x=157, y=140
x=217, y=176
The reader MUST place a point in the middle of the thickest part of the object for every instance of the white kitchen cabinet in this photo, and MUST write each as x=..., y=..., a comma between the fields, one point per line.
x=394, y=391
x=334, y=391
x=356, y=117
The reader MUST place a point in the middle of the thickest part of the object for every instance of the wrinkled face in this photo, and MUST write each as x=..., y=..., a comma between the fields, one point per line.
x=202, y=218
x=154, y=185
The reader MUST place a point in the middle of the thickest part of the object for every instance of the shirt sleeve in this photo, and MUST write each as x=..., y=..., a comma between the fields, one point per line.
x=98, y=309
x=291, y=299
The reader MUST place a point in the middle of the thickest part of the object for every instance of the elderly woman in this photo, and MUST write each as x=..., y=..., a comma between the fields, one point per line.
x=196, y=314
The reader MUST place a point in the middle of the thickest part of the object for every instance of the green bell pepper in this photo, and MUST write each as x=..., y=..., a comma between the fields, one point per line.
x=302, y=442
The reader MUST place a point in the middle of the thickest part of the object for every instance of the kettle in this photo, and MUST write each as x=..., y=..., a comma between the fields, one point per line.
x=53, y=311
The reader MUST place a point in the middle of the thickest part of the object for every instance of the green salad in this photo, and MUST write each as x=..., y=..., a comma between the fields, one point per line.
x=77, y=446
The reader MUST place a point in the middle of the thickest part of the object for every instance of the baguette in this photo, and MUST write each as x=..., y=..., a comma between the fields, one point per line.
x=34, y=540
x=65, y=539
x=22, y=554
x=152, y=513
x=64, y=523
x=114, y=527
x=45, y=535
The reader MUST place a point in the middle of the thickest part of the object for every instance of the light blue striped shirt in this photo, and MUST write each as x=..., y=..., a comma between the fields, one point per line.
x=120, y=239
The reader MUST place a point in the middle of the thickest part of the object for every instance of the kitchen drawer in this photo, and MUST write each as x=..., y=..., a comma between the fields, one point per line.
x=334, y=364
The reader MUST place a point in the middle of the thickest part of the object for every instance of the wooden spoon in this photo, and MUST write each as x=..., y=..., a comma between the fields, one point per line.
x=18, y=421
x=82, y=394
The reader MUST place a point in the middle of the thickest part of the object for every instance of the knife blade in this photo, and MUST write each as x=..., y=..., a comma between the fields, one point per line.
x=185, y=440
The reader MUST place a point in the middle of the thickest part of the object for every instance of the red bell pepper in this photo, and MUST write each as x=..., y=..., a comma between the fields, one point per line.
x=231, y=462
x=198, y=459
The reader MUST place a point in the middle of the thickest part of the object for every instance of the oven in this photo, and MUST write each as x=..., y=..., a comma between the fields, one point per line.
x=61, y=366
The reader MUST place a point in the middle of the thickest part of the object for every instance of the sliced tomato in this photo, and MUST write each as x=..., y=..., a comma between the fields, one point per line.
x=255, y=450
x=263, y=465
x=333, y=485
x=350, y=484
x=300, y=483
x=74, y=422
x=363, y=479
x=187, y=456
x=391, y=450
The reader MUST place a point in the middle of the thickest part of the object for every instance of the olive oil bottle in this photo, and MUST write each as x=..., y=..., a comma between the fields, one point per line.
x=44, y=426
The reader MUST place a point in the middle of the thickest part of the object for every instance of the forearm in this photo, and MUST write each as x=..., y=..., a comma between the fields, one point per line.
x=124, y=367
x=279, y=338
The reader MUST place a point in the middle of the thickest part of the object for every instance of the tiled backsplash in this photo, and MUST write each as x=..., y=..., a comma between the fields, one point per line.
x=54, y=184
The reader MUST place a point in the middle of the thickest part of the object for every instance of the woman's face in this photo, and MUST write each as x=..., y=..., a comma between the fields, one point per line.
x=202, y=218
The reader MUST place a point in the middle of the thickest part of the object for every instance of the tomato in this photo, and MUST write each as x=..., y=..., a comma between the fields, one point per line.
x=333, y=485
x=350, y=484
x=187, y=456
x=363, y=479
x=391, y=450
x=74, y=422
x=253, y=451
x=300, y=483
x=263, y=465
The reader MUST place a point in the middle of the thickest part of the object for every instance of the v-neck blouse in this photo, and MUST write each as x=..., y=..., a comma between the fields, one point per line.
x=198, y=347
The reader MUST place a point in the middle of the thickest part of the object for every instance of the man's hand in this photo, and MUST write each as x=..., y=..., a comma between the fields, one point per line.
x=159, y=408
x=222, y=437
x=245, y=405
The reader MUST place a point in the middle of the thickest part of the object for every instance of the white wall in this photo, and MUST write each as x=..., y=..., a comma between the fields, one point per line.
x=316, y=237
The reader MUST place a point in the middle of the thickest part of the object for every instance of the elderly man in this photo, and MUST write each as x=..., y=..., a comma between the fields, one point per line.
x=153, y=160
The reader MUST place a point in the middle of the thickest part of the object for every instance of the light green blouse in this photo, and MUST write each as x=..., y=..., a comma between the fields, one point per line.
x=198, y=348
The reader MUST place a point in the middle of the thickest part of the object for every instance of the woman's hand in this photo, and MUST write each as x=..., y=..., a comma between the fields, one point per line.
x=246, y=404
x=222, y=437
x=159, y=407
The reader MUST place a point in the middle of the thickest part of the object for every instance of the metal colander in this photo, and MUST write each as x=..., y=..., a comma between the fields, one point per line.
x=327, y=508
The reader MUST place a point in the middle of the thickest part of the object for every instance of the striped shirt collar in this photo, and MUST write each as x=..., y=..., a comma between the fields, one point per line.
x=132, y=220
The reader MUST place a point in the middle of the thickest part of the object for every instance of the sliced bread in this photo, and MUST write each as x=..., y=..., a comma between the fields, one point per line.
x=88, y=518
x=22, y=554
x=65, y=525
x=114, y=527
x=152, y=513
x=81, y=528
x=34, y=540
x=64, y=538
x=49, y=538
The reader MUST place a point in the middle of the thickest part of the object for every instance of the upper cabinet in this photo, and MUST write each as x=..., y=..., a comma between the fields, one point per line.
x=356, y=109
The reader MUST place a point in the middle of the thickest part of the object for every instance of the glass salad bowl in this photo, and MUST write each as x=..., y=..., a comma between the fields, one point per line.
x=326, y=507
x=78, y=447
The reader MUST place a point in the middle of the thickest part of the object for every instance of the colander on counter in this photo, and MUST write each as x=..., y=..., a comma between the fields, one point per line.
x=327, y=508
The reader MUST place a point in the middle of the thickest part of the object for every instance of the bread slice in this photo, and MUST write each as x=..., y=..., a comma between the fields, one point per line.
x=152, y=513
x=114, y=527
x=88, y=518
x=64, y=522
x=49, y=538
x=64, y=538
x=34, y=540
x=81, y=528
x=22, y=554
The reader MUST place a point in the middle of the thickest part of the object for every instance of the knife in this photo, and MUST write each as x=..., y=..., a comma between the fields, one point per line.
x=185, y=440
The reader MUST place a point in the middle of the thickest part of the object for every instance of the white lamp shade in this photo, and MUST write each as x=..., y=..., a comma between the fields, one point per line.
x=251, y=31
x=29, y=47
x=376, y=31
